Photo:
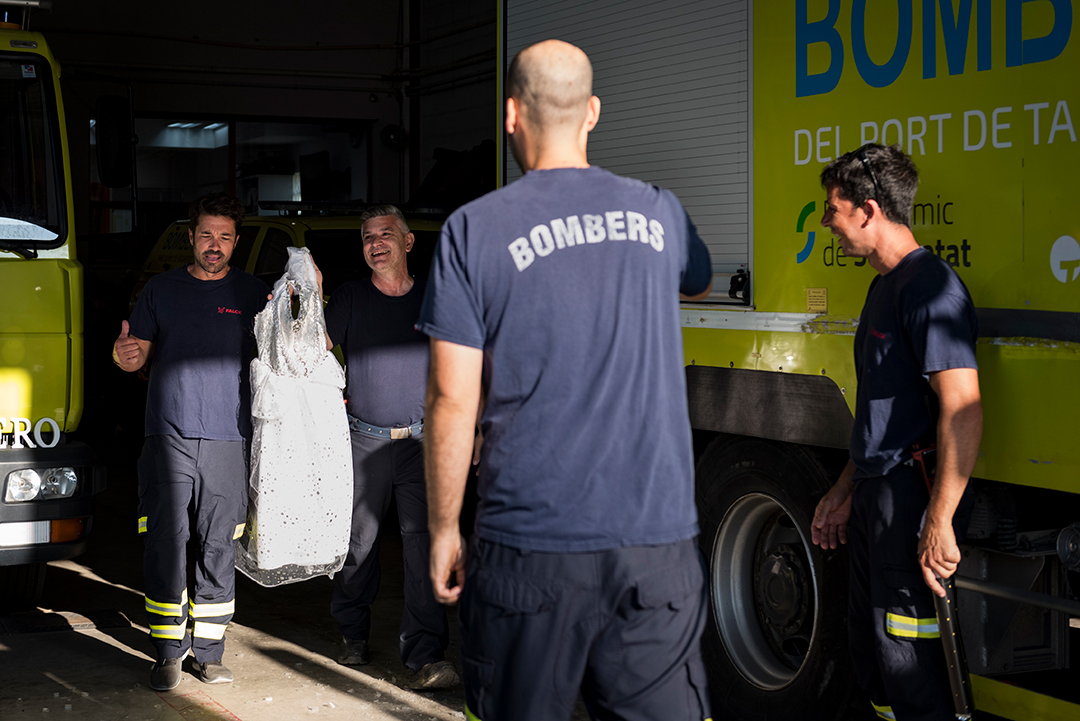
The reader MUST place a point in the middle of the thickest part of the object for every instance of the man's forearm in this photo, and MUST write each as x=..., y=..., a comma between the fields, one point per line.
x=448, y=445
x=958, y=436
x=453, y=396
x=959, y=433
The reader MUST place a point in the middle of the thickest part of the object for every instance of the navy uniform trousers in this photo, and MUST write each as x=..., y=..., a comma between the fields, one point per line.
x=892, y=625
x=623, y=626
x=382, y=466
x=211, y=477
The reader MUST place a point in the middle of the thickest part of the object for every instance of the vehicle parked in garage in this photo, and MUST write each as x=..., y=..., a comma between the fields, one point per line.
x=47, y=481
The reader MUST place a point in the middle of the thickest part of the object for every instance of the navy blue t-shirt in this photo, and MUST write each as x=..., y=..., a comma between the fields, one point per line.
x=386, y=358
x=203, y=338
x=568, y=279
x=918, y=319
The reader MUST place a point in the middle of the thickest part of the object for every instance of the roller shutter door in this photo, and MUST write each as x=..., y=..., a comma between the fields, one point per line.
x=674, y=81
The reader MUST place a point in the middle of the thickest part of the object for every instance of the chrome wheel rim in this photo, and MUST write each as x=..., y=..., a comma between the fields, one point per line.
x=763, y=591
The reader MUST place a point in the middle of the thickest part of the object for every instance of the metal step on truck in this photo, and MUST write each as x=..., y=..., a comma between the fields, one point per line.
x=736, y=105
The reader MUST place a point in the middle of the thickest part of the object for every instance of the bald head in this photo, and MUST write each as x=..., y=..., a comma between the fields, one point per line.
x=552, y=82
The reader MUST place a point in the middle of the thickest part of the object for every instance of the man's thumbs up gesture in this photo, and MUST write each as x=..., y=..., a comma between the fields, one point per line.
x=129, y=352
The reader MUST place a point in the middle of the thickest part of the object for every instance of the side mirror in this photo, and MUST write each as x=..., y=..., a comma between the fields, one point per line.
x=115, y=141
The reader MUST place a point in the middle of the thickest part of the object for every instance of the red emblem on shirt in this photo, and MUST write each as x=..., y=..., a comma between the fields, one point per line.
x=223, y=309
x=877, y=334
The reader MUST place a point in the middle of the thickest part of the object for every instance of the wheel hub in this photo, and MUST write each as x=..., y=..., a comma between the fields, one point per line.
x=781, y=589
x=763, y=590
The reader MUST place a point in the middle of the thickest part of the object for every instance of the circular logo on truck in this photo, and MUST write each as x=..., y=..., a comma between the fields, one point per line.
x=1065, y=259
x=802, y=255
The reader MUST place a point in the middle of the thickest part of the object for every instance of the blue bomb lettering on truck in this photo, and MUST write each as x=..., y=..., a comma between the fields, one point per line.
x=950, y=127
x=955, y=29
x=21, y=431
x=982, y=94
x=558, y=234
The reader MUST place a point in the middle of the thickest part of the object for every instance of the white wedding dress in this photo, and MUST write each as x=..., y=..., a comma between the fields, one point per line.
x=300, y=488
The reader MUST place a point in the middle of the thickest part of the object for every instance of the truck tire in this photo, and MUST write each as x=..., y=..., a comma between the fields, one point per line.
x=776, y=642
x=21, y=586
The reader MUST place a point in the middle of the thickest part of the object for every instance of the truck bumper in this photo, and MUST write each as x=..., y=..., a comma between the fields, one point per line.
x=41, y=518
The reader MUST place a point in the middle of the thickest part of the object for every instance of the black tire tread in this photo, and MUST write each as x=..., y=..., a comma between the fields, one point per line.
x=729, y=468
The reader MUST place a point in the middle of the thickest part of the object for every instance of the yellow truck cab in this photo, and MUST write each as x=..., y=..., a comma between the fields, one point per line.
x=47, y=482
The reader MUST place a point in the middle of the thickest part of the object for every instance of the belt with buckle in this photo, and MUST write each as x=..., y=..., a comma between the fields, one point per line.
x=382, y=432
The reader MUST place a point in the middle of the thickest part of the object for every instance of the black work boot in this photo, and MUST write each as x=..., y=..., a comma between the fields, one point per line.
x=353, y=652
x=436, y=675
x=212, y=672
x=165, y=674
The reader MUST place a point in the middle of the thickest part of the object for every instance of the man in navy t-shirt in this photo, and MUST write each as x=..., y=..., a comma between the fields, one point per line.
x=918, y=384
x=557, y=296
x=386, y=362
x=195, y=322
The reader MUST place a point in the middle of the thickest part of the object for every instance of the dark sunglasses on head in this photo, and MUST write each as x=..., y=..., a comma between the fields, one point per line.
x=870, y=171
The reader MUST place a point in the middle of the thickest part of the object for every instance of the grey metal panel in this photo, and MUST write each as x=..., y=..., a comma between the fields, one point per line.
x=782, y=406
x=1010, y=323
x=674, y=83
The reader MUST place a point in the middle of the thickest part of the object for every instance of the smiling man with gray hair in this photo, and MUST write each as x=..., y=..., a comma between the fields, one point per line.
x=386, y=363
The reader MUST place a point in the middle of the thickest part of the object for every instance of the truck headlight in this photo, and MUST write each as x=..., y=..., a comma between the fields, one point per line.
x=30, y=484
x=58, y=482
x=22, y=485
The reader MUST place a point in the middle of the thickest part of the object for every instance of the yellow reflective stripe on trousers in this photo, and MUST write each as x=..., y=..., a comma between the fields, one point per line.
x=212, y=610
x=239, y=531
x=167, y=609
x=885, y=712
x=213, y=631
x=908, y=627
x=170, y=631
x=142, y=525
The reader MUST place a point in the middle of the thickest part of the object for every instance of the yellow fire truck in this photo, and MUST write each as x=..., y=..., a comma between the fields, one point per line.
x=736, y=105
x=47, y=481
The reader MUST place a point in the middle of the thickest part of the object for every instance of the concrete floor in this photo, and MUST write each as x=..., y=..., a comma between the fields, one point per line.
x=85, y=654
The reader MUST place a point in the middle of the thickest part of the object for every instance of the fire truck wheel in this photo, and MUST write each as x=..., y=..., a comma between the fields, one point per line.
x=776, y=642
x=21, y=586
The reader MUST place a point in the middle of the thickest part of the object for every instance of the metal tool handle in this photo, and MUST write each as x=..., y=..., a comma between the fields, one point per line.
x=949, y=627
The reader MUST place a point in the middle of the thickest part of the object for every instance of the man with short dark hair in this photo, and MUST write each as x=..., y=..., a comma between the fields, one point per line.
x=196, y=323
x=558, y=296
x=918, y=385
x=386, y=361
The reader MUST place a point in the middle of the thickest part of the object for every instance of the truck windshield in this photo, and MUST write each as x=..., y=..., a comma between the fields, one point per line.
x=32, y=209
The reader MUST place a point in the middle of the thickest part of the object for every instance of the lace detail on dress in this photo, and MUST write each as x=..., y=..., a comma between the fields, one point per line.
x=300, y=487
